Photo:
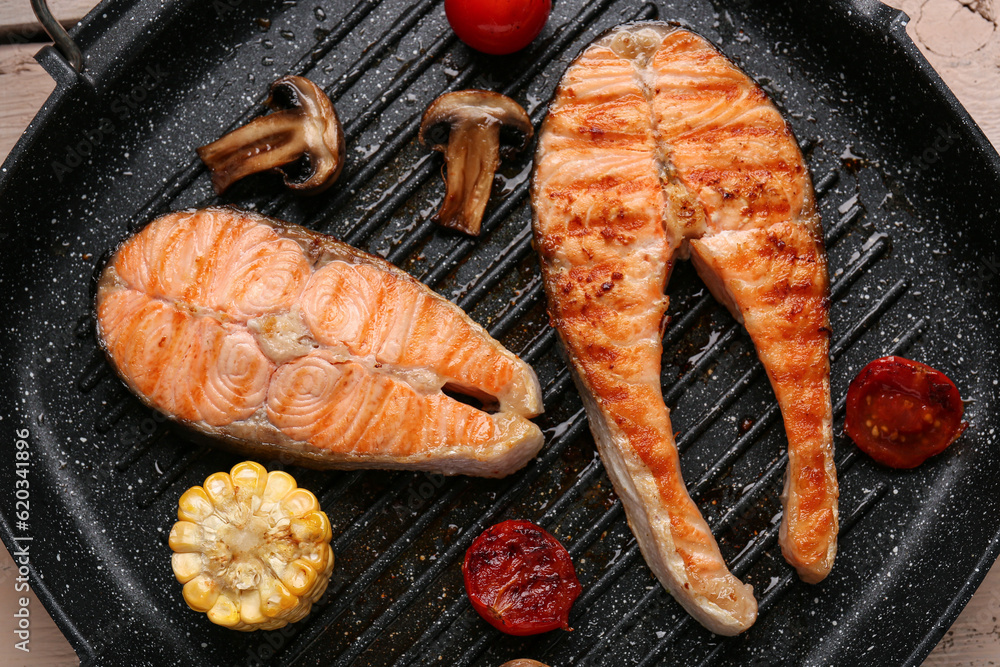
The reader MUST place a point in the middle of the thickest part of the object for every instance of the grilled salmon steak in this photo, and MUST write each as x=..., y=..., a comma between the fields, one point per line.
x=657, y=148
x=279, y=340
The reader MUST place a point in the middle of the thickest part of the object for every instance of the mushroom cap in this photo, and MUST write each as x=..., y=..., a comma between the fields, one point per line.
x=474, y=107
x=324, y=135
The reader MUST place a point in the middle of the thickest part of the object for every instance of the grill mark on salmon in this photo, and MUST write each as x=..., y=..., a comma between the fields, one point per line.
x=341, y=405
x=275, y=339
x=657, y=148
x=402, y=323
x=151, y=337
x=241, y=269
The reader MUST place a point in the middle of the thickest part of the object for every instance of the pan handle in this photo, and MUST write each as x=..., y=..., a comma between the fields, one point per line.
x=63, y=41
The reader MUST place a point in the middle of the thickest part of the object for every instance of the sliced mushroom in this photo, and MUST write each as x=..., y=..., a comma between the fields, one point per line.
x=302, y=140
x=472, y=128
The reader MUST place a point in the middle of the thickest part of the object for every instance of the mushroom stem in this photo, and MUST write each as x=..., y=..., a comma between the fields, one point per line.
x=471, y=161
x=266, y=143
x=467, y=126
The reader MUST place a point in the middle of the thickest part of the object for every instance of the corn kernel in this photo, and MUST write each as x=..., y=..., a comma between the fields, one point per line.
x=186, y=536
x=250, y=612
x=275, y=599
x=299, y=502
x=187, y=566
x=279, y=484
x=298, y=577
x=224, y=612
x=194, y=505
x=201, y=592
x=320, y=558
x=219, y=488
x=250, y=477
x=312, y=526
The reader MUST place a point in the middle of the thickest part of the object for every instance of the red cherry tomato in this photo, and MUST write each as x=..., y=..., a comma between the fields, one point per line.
x=520, y=579
x=497, y=26
x=902, y=412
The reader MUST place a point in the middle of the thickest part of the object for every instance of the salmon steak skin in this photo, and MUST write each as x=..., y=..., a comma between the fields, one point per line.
x=657, y=148
x=280, y=341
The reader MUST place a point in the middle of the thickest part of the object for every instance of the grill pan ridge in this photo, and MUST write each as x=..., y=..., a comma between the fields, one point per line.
x=908, y=188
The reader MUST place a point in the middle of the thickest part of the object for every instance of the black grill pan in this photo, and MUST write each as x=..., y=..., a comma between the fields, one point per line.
x=909, y=190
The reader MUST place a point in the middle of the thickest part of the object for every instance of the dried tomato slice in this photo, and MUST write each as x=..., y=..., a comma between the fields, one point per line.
x=902, y=412
x=520, y=579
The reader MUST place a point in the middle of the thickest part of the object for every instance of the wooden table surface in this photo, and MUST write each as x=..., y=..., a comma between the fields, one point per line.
x=961, y=39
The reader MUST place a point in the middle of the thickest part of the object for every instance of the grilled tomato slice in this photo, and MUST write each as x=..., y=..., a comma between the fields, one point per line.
x=520, y=579
x=902, y=412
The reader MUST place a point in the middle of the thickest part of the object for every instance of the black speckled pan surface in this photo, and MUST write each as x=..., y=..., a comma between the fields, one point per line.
x=909, y=190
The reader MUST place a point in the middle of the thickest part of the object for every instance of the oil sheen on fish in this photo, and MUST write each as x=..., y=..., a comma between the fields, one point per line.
x=282, y=341
x=657, y=148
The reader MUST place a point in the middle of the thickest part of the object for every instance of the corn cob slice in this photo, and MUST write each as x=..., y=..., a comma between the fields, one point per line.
x=251, y=548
